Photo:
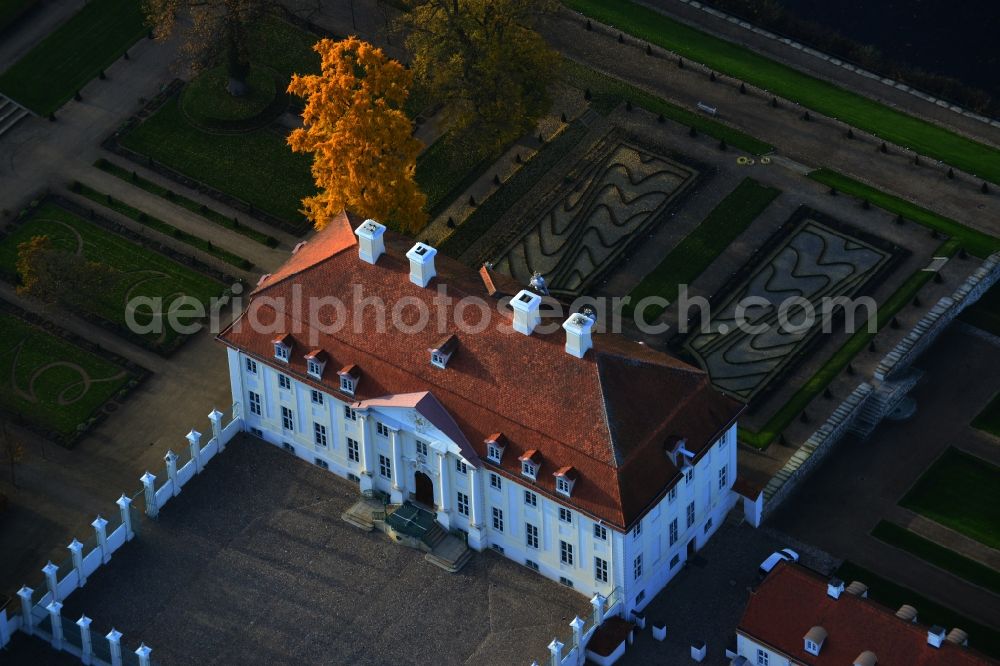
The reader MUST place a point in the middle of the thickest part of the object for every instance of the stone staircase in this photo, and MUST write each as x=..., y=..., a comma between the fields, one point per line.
x=450, y=553
x=883, y=400
x=433, y=537
x=11, y=113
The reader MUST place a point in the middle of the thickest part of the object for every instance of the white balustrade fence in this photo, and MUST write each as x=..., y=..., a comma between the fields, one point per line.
x=38, y=612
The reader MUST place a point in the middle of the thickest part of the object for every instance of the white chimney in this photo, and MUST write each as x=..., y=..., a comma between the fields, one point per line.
x=578, y=339
x=835, y=588
x=371, y=246
x=526, y=305
x=935, y=636
x=421, y=258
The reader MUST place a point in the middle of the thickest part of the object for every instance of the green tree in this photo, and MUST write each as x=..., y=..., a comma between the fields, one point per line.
x=485, y=61
x=53, y=275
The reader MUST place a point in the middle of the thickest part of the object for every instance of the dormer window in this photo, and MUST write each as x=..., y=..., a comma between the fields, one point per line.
x=565, y=480
x=442, y=351
x=349, y=377
x=282, y=348
x=530, y=462
x=315, y=362
x=495, y=444
x=814, y=640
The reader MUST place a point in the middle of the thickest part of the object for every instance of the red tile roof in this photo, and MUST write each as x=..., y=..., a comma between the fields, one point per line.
x=793, y=599
x=607, y=415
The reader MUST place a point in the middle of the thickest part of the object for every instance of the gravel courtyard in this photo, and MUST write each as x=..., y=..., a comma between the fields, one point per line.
x=252, y=564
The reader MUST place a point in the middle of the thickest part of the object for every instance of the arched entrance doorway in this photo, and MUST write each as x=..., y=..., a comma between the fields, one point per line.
x=424, y=489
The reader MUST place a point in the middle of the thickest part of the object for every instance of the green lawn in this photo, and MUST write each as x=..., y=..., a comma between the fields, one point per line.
x=982, y=638
x=62, y=63
x=206, y=212
x=257, y=167
x=159, y=225
x=962, y=492
x=488, y=213
x=976, y=242
x=607, y=93
x=706, y=242
x=839, y=360
x=11, y=10
x=989, y=418
x=985, y=313
x=745, y=65
x=49, y=381
x=141, y=271
x=939, y=556
x=445, y=170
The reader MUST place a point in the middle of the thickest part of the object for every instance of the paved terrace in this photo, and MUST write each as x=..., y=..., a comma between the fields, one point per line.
x=252, y=564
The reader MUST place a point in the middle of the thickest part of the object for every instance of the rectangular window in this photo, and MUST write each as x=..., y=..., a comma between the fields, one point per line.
x=637, y=530
x=347, y=385
x=528, y=469
x=600, y=570
x=763, y=657
x=566, y=581
x=637, y=567
x=565, y=515
x=319, y=433
x=254, y=400
x=530, y=498
x=708, y=525
x=463, y=504
x=350, y=414
x=381, y=428
x=317, y=397
x=421, y=448
x=723, y=477
x=461, y=467
x=673, y=532
x=251, y=366
x=600, y=532
x=321, y=463
x=690, y=514
x=284, y=381
x=498, y=519
x=531, y=535
x=689, y=475
x=675, y=560
x=353, y=450
x=493, y=452
x=563, y=485
x=566, y=553
x=281, y=352
x=287, y=419
x=495, y=481
x=384, y=466
x=531, y=564
x=672, y=495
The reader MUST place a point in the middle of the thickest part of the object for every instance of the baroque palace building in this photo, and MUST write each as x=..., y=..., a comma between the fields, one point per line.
x=594, y=460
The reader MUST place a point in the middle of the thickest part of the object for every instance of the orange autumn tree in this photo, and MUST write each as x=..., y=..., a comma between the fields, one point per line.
x=364, y=152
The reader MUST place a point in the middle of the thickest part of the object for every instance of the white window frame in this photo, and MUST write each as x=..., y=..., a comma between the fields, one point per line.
x=281, y=352
x=529, y=469
x=600, y=532
x=637, y=567
x=462, y=504
x=251, y=366
x=495, y=481
x=531, y=535
x=314, y=368
x=253, y=401
x=384, y=466
x=690, y=514
x=494, y=452
x=689, y=475
x=637, y=530
x=497, y=518
x=530, y=498
x=674, y=532
x=763, y=657
x=672, y=495
x=461, y=467
x=566, y=553
x=600, y=569
x=347, y=384
x=353, y=449
x=350, y=414
x=284, y=382
x=319, y=434
x=316, y=397
x=421, y=448
x=287, y=419
x=564, y=486
x=565, y=515
x=723, y=476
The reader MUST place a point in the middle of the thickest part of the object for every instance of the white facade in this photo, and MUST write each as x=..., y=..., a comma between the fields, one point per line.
x=757, y=654
x=396, y=450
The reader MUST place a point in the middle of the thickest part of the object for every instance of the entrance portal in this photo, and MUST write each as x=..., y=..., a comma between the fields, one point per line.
x=424, y=489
